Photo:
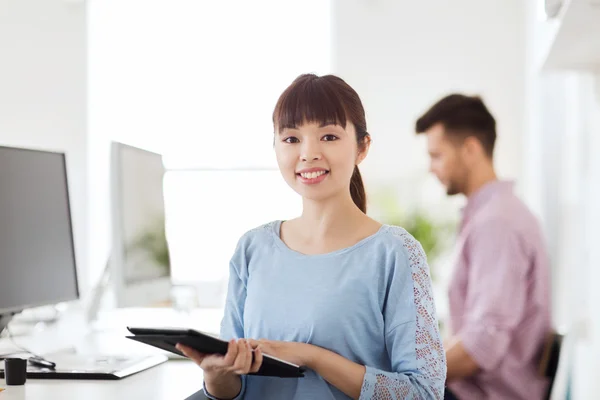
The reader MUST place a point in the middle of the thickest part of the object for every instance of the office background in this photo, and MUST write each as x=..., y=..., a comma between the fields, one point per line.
x=197, y=81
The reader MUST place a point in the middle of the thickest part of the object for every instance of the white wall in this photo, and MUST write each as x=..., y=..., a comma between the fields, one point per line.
x=402, y=56
x=197, y=82
x=593, y=237
x=43, y=91
x=562, y=181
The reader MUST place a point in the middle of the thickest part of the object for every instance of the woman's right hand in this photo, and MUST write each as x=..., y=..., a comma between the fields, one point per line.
x=237, y=361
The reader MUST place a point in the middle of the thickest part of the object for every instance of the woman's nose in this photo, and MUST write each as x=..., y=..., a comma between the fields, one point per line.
x=310, y=152
x=311, y=158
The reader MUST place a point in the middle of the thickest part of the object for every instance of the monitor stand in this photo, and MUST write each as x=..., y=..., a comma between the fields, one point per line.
x=98, y=292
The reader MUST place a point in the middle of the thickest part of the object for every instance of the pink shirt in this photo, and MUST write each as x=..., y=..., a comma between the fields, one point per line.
x=500, y=296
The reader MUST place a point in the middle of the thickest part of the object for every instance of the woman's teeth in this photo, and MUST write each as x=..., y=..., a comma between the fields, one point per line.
x=312, y=175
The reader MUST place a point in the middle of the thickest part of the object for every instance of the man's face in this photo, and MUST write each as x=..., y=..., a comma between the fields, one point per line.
x=446, y=160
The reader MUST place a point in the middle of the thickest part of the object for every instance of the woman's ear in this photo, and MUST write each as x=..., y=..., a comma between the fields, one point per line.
x=363, y=149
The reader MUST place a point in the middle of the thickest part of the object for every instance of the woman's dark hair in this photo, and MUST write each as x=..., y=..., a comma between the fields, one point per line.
x=325, y=100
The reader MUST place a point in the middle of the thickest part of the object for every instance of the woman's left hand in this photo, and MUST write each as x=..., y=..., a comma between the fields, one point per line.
x=293, y=352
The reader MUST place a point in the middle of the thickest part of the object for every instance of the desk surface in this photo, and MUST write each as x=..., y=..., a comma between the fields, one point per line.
x=174, y=379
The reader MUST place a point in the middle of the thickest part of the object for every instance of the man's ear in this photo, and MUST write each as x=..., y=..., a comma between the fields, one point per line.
x=363, y=149
x=471, y=148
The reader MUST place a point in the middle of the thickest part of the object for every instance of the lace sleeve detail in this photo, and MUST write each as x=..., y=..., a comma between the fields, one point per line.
x=427, y=379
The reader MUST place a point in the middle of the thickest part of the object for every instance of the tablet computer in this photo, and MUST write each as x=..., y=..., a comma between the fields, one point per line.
x=167, y=339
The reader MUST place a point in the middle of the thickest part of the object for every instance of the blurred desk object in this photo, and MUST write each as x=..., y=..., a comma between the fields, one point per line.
x=170, y=380
x=177, y=378
x=107, y=333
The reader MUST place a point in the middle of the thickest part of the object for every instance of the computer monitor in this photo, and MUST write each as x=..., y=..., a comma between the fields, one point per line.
x=37, y=255
x=140, y=263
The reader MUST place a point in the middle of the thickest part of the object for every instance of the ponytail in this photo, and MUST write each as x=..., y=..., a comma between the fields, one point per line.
x=357, y=190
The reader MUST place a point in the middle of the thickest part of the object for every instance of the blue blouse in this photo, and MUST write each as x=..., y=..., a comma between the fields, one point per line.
x=371, y=303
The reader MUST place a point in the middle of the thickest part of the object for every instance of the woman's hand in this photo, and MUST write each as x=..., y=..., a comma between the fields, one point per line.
x=294, y=352
x=238, y=360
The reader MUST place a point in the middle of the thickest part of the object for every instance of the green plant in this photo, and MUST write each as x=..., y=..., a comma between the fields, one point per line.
x=434, y=235
x=425, y=231
x=153, y=241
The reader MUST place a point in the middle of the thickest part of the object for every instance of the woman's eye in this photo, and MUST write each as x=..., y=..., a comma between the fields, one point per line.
x=329, y=138
x=291, y=139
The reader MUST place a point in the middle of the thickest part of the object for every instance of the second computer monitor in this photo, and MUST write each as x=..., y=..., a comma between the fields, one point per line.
x=140, y=261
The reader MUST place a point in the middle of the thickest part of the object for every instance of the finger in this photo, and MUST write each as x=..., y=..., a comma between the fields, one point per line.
x=232, y=351
x=265, y=344
x=253, y=343
x=258, y=359
x=213, y=362
x=239, y=366
x=249, y=356
x=188, y=351
x=191, y=353
x=244, y=360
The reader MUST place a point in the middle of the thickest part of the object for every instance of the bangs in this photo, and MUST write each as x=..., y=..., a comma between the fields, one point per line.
x=310, y=99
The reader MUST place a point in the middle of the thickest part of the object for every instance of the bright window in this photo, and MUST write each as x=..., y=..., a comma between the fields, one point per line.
x=200, y=79
x=197, y=81
x=208, y=211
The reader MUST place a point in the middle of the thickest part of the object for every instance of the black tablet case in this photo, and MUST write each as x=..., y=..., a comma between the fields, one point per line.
x=167, y=338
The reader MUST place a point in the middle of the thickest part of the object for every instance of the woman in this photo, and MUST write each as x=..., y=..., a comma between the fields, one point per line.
x=333, y=289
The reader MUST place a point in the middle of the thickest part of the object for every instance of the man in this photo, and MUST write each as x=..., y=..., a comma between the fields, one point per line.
x=499, y=293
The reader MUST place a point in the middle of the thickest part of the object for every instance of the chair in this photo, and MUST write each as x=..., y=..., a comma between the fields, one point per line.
x=550, y=359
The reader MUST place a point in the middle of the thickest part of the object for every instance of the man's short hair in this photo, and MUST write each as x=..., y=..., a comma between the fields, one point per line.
x=462, y=116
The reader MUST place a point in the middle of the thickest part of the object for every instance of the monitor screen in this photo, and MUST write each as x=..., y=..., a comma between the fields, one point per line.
x=37, y=257
x=139, y=226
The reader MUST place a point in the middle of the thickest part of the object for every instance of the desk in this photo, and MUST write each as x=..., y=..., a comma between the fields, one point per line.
x=174, y=379
x=107, y=335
